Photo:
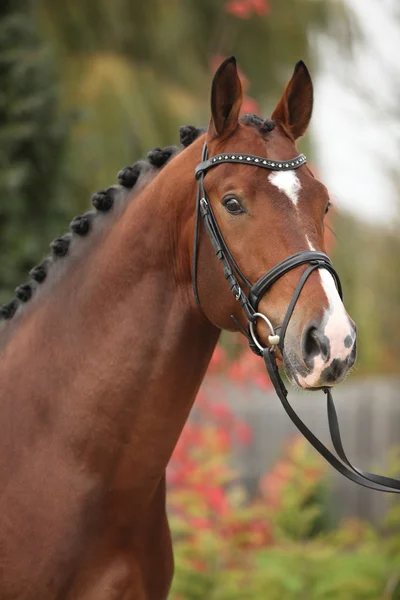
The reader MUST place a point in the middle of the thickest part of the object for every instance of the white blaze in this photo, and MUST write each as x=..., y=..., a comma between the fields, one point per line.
x=336, y=323
x=337, y=328
x=287, y=182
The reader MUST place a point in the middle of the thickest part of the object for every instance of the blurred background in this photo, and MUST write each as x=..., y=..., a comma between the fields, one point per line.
x=87, y=87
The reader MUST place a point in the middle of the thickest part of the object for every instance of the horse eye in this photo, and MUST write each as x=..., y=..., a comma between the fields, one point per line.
x=328, y=207
x=233, y=206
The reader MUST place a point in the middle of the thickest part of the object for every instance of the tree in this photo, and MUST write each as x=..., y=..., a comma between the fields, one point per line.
x=32, y=139
x=139, y=70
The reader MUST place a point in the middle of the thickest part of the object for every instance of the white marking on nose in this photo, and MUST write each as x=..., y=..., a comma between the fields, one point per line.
x=287, y=182
x=337, y=327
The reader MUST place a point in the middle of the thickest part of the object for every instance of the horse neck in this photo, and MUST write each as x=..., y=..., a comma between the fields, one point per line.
x=118, y=348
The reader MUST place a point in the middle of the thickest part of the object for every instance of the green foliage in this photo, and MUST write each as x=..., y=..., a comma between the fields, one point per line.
x=32, y=137
x=303, y=555
x=321, y=571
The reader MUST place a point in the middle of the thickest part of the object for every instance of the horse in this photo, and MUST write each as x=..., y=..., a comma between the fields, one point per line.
x=104, y=349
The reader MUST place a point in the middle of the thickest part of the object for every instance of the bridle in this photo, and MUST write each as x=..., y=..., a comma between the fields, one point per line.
x=250, y=301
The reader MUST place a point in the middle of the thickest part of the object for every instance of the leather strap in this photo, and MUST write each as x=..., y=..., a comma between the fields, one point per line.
x=293, y=303
x=368, y=480
x=196, y=241
x=375, y=482
x=380, y=480
x=223, y=254
x=319, y=259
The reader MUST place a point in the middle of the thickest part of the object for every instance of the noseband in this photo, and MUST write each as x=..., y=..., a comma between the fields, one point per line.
x=250, y=301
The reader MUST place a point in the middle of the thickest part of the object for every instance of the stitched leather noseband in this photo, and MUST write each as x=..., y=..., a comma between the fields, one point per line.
x=250, y=301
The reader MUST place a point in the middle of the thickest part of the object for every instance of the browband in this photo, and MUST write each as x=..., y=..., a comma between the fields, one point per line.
x=250, y=159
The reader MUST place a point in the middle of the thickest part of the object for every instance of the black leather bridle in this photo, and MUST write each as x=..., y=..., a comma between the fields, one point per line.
x=249, y=303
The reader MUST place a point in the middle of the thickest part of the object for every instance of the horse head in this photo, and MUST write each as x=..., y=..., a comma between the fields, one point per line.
x=264, y=216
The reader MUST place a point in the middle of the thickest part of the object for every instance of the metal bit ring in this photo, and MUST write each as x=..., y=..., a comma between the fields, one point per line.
x=273, y=338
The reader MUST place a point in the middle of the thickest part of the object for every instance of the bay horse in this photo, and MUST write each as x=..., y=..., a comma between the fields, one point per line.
x=104, y=350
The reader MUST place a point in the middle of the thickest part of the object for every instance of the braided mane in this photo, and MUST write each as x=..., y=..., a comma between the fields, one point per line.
x=111, y=201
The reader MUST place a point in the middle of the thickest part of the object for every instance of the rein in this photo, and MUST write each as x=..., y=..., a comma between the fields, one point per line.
x=250, y=301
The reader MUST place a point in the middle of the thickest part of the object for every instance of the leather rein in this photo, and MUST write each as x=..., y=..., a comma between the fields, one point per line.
x=249, y=303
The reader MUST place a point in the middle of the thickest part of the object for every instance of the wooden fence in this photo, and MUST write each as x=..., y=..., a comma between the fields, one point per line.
x=369, y=414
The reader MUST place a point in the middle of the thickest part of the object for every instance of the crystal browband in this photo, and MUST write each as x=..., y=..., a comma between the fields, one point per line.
x=259, y=161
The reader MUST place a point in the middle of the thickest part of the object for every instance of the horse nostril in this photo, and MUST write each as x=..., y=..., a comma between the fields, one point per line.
x=315, y=343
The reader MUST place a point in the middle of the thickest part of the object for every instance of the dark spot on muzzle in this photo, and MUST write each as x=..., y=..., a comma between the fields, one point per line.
x=338, y=368
x=335, y=371
x=348, y=340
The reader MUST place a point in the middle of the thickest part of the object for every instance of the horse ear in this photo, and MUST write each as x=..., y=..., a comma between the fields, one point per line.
x=295, y=107
x=226, y=100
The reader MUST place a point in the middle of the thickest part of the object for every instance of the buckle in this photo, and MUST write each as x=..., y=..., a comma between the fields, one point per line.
x=203, y=206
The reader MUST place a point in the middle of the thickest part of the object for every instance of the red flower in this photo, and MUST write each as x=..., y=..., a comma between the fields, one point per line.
x=240, y=9
x=222, y=412
x=244, y=9
x=199, y=565
x=217, y=500
x=200, y=523
x=244, y=433
x=223, y=440
x=262, y=381
x=261, y=7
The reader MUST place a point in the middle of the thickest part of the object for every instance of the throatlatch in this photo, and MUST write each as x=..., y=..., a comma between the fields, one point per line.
x=250, y=301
